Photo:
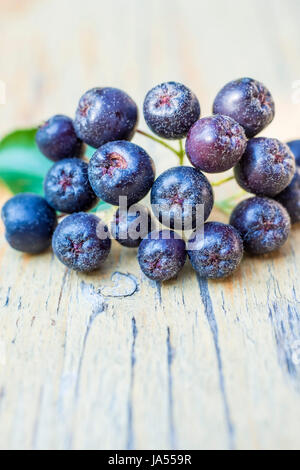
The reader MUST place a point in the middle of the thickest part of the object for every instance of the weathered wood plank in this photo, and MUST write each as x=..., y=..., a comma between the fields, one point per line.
x=121, y=362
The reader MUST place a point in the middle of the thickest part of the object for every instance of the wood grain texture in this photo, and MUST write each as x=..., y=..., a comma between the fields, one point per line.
x=112, y=360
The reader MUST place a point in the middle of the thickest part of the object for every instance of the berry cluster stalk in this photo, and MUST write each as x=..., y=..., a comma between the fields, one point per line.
x=225, y=205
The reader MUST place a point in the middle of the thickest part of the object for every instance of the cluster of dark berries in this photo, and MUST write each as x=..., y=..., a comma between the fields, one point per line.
x=106, y=119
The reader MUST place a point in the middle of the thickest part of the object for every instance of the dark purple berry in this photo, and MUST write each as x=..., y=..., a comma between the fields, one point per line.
x=290, y=198
x=162, y=255
x=263, y=224
x=29, y=223
x=129, y=227
x=57, y=139
x=217, y=251
x=121, y=169
x=67, y=187
x=266, y=168
x=248, y=102
x=170, y=109
x=295, y=148
x=81, y=242
x=177, y=196
x=215, y=144
x=105, y=115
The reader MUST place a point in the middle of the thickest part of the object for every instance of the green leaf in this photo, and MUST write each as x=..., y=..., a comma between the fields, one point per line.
x=224, y=206
x=227, y=205
x=22, y=166
x=89, y=151
x=101, y=206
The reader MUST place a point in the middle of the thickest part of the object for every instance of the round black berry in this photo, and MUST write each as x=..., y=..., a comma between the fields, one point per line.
x=179, y=195
x=248, y=102
x=215, y=144
x=105, y=115
x=170, y=109
x=290, y=198
x=29, y=223
x=263, y=224
x=81, y=242
x=217, y=251
x=57, y=139
x=294, y=145
x=67, y=187
x=129, y=227
x=162, y=255
x=121, y=169
x=266, y=168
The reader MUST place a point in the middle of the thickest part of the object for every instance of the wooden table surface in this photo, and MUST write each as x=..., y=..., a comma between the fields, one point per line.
x=112, y=360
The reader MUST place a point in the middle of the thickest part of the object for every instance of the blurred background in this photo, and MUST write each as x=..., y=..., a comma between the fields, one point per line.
x=54, y=50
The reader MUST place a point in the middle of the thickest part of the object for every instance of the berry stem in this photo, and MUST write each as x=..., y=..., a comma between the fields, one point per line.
x=181, y=154
x=228, y=204
x=225, y=205
x=225, y=180
x=159, y=141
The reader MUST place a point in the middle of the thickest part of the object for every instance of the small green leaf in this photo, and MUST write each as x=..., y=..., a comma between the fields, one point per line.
x=227, y=205
x=101, y=206
x=22, y=166
x=89, y=151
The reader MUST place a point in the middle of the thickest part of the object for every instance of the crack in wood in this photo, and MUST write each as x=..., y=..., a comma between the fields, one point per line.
x=61, y=291
x=284, y=314
x=7, y=297
x=98, y=307
x=286, y=325
x=210, y=315
x=130, y=432
x=170, y=357
x=124, y=285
